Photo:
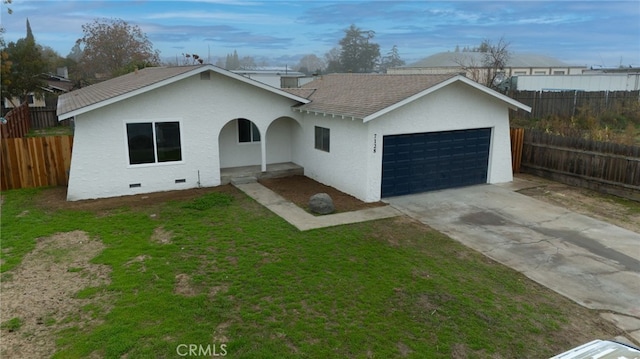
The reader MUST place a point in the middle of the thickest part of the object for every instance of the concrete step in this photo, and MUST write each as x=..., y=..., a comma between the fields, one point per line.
x=243, y=180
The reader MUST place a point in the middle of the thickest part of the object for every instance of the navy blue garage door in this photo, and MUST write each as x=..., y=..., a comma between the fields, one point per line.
x=421, y=162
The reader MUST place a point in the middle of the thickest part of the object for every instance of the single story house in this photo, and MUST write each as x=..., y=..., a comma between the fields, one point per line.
x=473, y=65
x=368, y=135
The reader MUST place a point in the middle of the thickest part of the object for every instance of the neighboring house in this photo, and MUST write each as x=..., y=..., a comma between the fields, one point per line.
x=472, y=64
x=281, y=78
x=584, y=82
x=368, y=135
x=32, y=100
x=55, y=84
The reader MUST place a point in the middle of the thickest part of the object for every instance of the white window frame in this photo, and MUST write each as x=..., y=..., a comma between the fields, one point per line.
x=155, y=143
x=253, y=128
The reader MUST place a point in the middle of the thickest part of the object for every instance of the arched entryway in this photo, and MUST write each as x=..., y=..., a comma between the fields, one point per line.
x=284, y=141
x=239, y=144
x=246, y=151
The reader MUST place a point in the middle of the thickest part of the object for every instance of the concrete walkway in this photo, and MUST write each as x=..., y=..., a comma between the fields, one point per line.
x=305, y=221
x=591, y=262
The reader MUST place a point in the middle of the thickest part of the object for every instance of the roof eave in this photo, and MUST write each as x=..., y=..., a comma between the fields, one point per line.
x=258, y=84
x=95, y=106
x=513, y=104
x=326, y=114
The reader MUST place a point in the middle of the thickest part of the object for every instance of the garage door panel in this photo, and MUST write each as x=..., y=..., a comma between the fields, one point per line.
x=420, y=162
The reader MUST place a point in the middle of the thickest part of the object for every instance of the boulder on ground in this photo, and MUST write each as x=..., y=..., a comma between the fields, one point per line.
x=321, y=203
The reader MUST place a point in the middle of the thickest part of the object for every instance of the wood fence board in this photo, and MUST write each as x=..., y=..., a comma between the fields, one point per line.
x=43, y=117
x=35, y=149
x=598, y=165
x=35, y=161
x=568, y=103
x=18, y=122
x=517, y=138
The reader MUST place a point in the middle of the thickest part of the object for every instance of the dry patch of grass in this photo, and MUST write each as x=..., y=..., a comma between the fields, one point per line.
x=42, y=293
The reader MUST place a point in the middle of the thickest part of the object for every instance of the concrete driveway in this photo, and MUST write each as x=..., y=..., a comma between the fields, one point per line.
x=589, y=261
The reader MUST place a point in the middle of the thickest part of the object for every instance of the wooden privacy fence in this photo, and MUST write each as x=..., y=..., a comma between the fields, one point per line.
x=568, y=103
x=517, y=140
x=18, y=122
x=603, y=166
x=35, y=161
x=45, y=117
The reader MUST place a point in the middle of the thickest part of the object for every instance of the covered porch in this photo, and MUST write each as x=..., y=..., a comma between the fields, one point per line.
x=245, y=173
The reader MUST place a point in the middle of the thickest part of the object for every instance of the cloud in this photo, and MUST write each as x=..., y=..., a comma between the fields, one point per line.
x=224, y=17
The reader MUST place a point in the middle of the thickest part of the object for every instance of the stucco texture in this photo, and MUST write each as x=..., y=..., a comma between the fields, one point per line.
x=100, y=164
x=355, y=161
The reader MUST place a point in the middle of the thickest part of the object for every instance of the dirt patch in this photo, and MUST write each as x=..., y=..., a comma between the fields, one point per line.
x=298, y=189
x=55, y=199
x=162, y=236
x=620, y=212
x=41, y=293
x=183, y=286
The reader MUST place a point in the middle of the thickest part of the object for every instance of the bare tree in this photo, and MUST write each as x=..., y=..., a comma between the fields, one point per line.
x=495, y=60
x=248, y=63
x=310, y=64
x=485, y=64
x=471, y=65
x=332, y=59
x=113, y=46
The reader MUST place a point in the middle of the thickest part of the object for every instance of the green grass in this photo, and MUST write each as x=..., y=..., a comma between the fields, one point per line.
x=265, y=290
x=51, y=131
x=12, y=325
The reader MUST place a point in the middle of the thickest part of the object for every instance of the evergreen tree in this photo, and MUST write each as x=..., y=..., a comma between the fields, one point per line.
x=358, y=53
x=391, y=60
x=233, y=62
x=29, y=33
x=23, y=77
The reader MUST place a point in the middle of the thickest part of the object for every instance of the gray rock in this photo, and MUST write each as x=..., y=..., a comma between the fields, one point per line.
x=321, y=203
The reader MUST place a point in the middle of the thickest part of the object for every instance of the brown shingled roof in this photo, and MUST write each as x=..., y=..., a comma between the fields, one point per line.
x=118, y=86
x=361, y=95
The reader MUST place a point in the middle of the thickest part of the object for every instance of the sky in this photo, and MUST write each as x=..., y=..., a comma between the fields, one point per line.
x=581, y=33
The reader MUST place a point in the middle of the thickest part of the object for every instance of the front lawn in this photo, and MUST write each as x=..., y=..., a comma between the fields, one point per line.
x=221, y=274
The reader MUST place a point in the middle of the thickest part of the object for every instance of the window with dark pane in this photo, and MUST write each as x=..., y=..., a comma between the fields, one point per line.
x=168, y=141
x=322, y=138
x=247, y=131
x=140, y=140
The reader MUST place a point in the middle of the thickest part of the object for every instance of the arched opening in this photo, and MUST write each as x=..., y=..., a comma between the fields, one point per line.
x=239, y=144
x=284, y=141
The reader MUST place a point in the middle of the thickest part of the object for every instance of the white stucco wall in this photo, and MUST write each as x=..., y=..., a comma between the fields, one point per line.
x=345, y=165
x=234, y=153
x=100, y=165
x=454, y=107
x=280, y=144
x=353, y=165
